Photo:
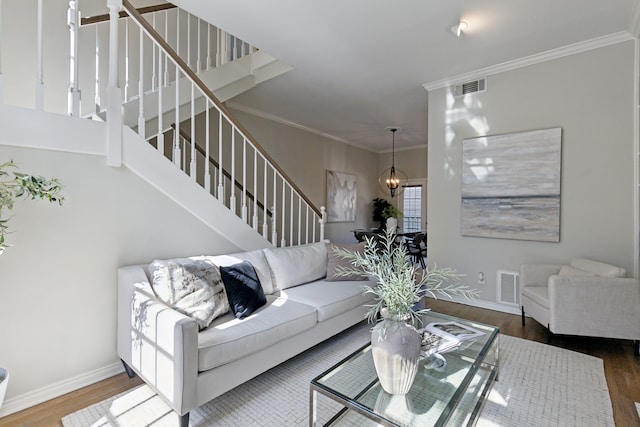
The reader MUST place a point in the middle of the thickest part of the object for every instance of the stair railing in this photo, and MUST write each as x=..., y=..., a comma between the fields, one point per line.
x=183, y=98
x=203, y=45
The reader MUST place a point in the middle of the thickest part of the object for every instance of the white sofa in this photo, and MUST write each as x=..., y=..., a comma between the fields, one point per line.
x=585, y=298
x=188, y=367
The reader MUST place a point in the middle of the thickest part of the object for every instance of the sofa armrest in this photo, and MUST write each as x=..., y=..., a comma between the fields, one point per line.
x=157, y=342
x=595, y=306
x=537, y=274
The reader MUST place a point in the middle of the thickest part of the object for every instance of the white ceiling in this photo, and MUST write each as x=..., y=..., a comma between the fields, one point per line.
x=360, y=65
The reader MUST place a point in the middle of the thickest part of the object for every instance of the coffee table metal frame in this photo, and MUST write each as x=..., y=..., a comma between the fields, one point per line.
x=491, y=345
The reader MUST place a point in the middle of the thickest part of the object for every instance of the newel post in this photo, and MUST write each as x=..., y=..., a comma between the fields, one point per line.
x=322, y=221
x=73, y=21
x=114, y=94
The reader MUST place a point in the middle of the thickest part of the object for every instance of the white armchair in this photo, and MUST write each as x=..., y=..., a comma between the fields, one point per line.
x=586, y=298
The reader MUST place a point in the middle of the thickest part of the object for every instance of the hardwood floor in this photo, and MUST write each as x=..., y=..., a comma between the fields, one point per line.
x=622, y=370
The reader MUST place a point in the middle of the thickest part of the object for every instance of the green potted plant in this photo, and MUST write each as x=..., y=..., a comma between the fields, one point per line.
x=383, y=210
x=395, y=343
x=16, y=185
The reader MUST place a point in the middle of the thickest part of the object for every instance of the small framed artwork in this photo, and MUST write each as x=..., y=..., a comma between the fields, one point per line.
x=341, y=197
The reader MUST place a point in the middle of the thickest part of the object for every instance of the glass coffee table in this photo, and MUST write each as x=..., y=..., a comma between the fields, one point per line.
x=449, y=395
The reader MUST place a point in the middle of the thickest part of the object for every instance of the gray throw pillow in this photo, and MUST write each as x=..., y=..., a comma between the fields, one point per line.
x=192, y=287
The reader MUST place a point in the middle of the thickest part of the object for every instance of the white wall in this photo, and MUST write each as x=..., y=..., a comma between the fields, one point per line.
x=306, y=157
x=58, y=281
x=590, y=96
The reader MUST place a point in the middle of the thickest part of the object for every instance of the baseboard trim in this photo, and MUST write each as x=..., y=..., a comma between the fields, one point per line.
x=489, y=305
x=24, y=401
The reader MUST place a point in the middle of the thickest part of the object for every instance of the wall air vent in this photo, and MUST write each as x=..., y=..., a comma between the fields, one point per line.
x=509, y=287
x=474, y=86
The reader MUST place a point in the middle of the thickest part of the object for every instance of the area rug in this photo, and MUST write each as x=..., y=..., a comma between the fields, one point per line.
x=539, y=385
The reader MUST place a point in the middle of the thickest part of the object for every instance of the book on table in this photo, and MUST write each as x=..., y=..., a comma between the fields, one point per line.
x=440, y=337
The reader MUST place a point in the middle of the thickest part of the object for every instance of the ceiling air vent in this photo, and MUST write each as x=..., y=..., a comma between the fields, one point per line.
x=474, y=86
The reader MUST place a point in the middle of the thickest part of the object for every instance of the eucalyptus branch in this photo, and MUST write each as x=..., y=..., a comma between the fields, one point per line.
x=16, y=185
x=398, y=285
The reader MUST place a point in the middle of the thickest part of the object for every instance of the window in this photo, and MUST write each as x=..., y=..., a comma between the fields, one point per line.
x=412, y=208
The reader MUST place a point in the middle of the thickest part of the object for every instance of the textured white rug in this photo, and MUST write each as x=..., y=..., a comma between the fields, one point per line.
x=539, y=385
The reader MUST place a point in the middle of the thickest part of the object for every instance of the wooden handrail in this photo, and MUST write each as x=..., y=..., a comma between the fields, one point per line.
x=105, y=17
x=227, y=175
x=136, y=16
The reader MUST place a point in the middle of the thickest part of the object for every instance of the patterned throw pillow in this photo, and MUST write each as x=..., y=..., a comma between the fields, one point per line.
x=192, y=287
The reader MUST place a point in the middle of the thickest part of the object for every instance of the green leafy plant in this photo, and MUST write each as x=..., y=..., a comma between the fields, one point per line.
x=383, y=209
x=399, y=285
x=16, y=185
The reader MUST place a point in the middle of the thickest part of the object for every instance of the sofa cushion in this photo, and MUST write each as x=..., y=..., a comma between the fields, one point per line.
x=334, y=262
x=330, y=298
x=598, y=268
x=243, y=289
x=228, y=338
x=256, y=258
x=571, y=271
x=191, y=286
x=296, y=265
x=538, y=294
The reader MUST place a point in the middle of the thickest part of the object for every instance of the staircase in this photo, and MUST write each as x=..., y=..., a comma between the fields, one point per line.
x=176, y=71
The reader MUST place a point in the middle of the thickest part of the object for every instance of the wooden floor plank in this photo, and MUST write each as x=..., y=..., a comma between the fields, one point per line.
x=622, y=370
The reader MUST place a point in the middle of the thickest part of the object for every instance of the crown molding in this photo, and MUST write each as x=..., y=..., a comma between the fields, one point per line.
x=549, y=55
x=281, y=120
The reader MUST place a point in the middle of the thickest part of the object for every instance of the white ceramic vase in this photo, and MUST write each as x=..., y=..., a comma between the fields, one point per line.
x=392, y=223
x=395, y=347
x=4, y=379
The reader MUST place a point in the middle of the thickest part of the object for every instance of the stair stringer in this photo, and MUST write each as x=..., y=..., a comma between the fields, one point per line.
x=145, y=161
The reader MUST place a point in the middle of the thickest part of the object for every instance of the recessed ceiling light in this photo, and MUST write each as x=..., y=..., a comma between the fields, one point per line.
x=459, y=28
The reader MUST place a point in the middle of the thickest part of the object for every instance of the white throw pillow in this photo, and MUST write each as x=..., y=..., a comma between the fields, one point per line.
x=296, y=265
x=191, y=286
x=598, y=268
x=570, y=271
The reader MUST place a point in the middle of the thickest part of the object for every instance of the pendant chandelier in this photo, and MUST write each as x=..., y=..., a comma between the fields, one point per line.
x=392, y=180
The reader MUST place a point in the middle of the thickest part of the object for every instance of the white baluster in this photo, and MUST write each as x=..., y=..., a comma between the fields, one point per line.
x=160, y=137
x=73, y=97
x=313, y=227
x=322, y=220
x=291, y=220
x=255, y=189
x=176, y=141
x=192, y=166
x=307, y=224
x=40, y=61
x=97, y=74
x=220, y=187
x=166, y=57
x=177, y=33
x=218, y=47
x=141, y=121
x=188, y=40
x=208, y=46
x=207, y=167
x=299, y=218
x=265, y=231
x=126, y=59
x=114, y=95
x=232, y=200
x=244, y=180
x=198, y=61
x=282, y=231
x=274, y=234
x=153, y=57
